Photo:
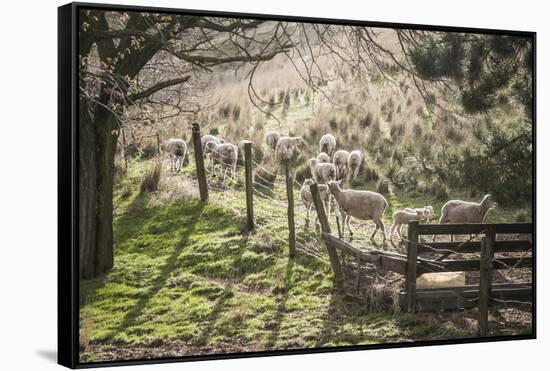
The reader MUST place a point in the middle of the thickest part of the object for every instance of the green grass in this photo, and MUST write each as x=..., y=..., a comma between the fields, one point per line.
x=186, y=272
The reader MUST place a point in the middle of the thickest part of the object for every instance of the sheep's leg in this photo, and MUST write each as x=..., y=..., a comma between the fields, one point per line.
x=375, y=230
x=348, y=223
x=392, y=229
x=381, y=223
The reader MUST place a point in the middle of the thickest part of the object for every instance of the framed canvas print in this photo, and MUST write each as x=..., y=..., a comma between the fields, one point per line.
x=236, y=185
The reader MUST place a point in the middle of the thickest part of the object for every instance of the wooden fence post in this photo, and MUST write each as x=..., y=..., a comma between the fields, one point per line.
x=325, y=227
x=412, y=256
x=199, y=162
x=485, y=281
x=248, y=184
x=290, y=210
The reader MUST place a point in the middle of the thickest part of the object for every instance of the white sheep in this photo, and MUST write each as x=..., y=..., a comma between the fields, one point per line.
x=364, y=205
x=404, y=217
x=354, y=162
x=271, y=139
x=457, y=211
x=176, y=149
x=327, y=144
x=307, y=198
x=287, y=146
x=340, y=161
x=323, y=157
x=209, y=138
x=226, y=155
x=322, y=171
x=461, y=212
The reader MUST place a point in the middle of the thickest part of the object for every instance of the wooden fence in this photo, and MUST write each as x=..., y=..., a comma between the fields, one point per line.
x=249, y=187
x=433, y=257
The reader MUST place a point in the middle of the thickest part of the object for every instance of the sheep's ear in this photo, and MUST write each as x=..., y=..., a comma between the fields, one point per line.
x=338, y=181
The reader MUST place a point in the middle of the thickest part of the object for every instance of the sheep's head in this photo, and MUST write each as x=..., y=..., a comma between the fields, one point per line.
x=334, y=186
x=422, y=214
x=210, y=146
x=298, y=142
x=488, y=200
x=307, y=183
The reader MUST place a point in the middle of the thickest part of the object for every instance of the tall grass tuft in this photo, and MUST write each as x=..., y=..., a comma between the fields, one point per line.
x=151, y=179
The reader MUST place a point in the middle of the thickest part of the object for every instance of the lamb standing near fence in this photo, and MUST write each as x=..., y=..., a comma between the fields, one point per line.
x=340, y=161
x=354, y=162
x=322, y=171
x=428, y=212
x=364, y=205
x=327, y=144
x=224, y=154
x=209, y=138
x=323, y=157
x=405, y=217
x=271, y=139
x=307, y=199
x=287, y=146
x=176, y=149
x=457, y=211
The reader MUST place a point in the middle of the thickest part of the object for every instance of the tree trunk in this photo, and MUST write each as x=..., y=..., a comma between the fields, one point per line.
x=106, y=141
x=87, y=194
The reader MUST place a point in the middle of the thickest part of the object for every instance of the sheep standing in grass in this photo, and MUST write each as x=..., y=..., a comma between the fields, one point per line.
x=287, y=146
x=457, y=211
x=271, y=139
x=340, y=161
x=322, y=171
x=327, y=144
x=307, y=198
x=226, y=155
x=176, y=149
x=354, y=162
x=364, y=205
x=404, y=217
x=323, y=157
x=207, y=149
x=461, y=212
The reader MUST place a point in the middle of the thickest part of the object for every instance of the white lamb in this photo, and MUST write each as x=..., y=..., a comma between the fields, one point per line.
x=307, y=199
x=287, y=146
x=322, y=171
x=323, y=157
x=271, y=139
x=327, y=144
x=404, y=217
x=209, y=138
x=340, y=161
x=354, y=162
x=176, y=149
x=364, y=205
x=427, y=211
x=226, y=155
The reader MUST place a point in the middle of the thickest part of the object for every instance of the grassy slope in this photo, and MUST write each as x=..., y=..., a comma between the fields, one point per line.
x=184, y=271
x=185, y=274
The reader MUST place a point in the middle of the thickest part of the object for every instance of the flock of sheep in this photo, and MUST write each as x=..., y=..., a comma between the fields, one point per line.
x=329, y=168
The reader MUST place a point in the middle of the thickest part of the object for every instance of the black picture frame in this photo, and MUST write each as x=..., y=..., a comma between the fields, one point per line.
x=68, y=191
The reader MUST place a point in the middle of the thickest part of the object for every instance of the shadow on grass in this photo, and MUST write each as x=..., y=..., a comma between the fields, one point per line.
x=168, y=267
x=276, y=322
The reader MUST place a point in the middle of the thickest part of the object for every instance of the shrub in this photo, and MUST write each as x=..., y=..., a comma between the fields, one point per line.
x=522, y=216
x=366, y=121
x=303, y=172
x=236, y=112
x=439, y=190
x=151, y=180
x=383, y=187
